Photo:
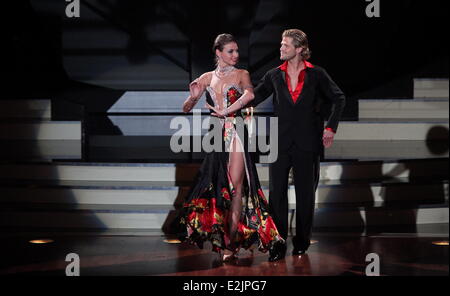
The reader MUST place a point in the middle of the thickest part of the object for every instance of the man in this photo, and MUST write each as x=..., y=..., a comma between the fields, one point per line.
x=299, y=90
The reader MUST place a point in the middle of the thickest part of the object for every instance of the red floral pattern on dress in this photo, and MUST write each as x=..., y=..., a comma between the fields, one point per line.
x=204, y=218
x=226, y=194
x=232, y=96
x=207, y=211
x=262, y=196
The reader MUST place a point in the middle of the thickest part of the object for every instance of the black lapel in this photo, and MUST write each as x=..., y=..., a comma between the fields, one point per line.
x=305, y=85
x=285, y=88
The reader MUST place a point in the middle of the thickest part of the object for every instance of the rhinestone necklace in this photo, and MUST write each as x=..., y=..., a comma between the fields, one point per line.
x=224, y=71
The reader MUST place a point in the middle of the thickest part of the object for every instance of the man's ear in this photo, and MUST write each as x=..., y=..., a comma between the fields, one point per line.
x=299, y=50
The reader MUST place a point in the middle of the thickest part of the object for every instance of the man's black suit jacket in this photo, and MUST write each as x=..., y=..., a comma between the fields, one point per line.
x=302, y=122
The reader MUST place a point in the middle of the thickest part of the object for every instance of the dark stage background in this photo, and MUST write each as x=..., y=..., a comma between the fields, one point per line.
x=120, y=45
x=85, y=136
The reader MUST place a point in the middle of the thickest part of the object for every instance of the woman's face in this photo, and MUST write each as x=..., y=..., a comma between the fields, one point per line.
x=229, y=55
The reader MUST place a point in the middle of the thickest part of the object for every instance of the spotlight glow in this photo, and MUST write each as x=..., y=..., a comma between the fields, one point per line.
x=41, y=241
x=440, y=243
x=172, y=241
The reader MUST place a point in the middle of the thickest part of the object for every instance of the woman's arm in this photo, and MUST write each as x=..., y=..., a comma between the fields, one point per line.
x=246, y=97
x=196, y=89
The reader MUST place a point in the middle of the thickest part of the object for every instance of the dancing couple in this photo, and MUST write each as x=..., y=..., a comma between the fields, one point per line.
x=227, y=206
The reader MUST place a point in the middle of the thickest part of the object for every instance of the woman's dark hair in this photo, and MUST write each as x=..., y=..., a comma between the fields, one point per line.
x=222, y=40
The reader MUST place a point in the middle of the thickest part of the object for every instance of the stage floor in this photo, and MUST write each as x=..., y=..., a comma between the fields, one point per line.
x=329, y=255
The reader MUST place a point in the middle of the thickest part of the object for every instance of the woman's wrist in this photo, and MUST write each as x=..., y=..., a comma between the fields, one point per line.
x=240, y=102
x=330, y=129
x=193, y=99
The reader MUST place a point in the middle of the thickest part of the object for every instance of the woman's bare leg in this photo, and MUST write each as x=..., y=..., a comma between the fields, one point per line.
x=237, y=173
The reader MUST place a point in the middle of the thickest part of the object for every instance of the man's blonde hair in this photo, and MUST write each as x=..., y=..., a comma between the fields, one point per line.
x=299, y=39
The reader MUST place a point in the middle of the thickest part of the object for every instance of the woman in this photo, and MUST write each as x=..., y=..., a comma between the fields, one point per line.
x=226, y=205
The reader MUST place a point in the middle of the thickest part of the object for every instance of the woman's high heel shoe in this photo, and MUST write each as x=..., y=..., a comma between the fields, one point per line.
x=228, y=255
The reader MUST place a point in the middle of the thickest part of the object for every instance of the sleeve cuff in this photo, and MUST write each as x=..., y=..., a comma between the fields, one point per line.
x=330, y=129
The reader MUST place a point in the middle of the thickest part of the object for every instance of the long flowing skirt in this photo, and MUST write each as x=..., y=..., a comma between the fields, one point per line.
x=207, y=208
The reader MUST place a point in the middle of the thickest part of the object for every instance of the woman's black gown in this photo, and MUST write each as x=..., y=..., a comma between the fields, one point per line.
x=207, y=207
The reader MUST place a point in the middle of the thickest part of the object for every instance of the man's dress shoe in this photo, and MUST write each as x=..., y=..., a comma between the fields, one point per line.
x=278, y=252
x=298, y=251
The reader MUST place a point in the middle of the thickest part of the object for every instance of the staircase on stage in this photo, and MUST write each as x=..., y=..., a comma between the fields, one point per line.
x=114, y=173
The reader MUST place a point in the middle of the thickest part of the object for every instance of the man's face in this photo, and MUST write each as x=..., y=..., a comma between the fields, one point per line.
x=287, y=50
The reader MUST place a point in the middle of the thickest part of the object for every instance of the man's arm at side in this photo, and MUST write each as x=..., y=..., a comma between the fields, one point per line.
x=333, y=93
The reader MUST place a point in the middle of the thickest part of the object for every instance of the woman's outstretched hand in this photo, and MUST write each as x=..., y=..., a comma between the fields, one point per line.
x=217, y=112
x=195, y=89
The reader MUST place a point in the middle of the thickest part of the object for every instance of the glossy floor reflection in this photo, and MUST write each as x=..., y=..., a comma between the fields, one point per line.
x=150, y=255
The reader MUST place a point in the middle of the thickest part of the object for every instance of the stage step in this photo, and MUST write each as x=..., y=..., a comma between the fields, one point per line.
x=40, y=150
x=157, y=149
x=125, y=149
x=22, y=129
x=175, y=173
x=22, y=108
x=431, y=88
x=106, y=196
x=388, y=150
x=393, y=129
x=404, y=108
x=165, y=102
x=367, y=129
x=160, y=217
x=77, y=193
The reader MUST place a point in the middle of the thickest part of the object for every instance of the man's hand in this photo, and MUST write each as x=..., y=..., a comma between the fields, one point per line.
x=328, y=138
